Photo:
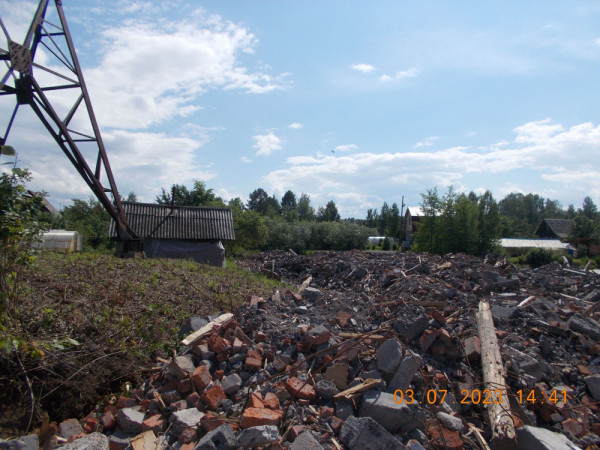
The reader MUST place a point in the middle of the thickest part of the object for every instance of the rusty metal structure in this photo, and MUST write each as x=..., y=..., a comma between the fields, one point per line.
x=21, y=80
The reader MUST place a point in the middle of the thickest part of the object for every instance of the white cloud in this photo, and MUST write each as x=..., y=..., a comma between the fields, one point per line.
x=245, y=159
x=295, y=125
x=385, y=78
x=346, y=148
x=364, y=68
x=596, y=42
x=400, y=75
x=266, y=143
x=427, y=142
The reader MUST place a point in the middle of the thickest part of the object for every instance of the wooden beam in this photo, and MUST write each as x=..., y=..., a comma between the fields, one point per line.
x=501, y=421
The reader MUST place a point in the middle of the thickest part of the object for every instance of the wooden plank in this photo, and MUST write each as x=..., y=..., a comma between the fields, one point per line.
x=348, y=394
x=345, y=335
x=501, y=422
x=206, y=329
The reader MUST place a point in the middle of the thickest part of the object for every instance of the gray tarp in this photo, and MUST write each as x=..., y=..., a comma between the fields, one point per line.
x=212, y=253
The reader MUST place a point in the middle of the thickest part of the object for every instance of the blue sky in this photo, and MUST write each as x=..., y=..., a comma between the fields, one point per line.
x=344, y=101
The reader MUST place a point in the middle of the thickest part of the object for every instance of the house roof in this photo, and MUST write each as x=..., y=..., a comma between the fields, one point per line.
x=560, y=227
x=415, y=211
x=546, y=244
x=148, y=220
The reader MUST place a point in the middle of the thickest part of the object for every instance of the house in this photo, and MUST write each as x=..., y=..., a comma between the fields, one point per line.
x=412, y=216
x=554, y=228
x=181, y=232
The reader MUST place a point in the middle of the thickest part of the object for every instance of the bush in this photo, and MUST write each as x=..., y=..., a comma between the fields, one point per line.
x=386, y=244
x=538, y=257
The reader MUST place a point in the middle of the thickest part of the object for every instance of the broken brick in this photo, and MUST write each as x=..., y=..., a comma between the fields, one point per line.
x=254, y=417
x=300, y=389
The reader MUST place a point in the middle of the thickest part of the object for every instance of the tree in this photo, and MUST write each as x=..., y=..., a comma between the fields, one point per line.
x=258, y=201
x=250, y=229
x=91, y=220
x=329, y=213
x=305, y=211
x=19, y=227
x=372, y=218
x=582, y=228
x=393, y=225
x=132, y=197
x=199, y=195
x=589, y=208
x=384, y=217
x=288, y=201
x=489, y=223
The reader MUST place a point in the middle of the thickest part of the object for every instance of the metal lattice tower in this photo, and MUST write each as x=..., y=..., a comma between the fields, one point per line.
x=20, y=80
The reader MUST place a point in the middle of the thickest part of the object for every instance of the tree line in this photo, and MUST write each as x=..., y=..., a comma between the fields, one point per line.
x=452, y=222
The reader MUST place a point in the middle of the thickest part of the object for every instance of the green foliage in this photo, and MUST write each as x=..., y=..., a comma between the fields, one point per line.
x=521, y=214
x=199, y=195
x=250, y=230
x=91, y=220
x=457, y=223
x=386, y=244
x=305, y=211
x=536, y=258
x=329, y=213
x=19, y=228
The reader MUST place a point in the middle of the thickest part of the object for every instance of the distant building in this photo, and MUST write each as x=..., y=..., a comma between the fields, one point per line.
x=412, y=216
x=516, y=247
x=181, y=232
x=554, y=228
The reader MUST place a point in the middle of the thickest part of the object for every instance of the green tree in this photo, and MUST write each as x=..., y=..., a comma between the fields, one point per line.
x=258, y=201
x=91, y=220
x=305, y=211
x=372, y=218
x=589, y=208
x=489, y=223
x=329, y=213
x=19, y=228
x=199, y=195
x=250, y=229
x=393, y=225
x=583, y=228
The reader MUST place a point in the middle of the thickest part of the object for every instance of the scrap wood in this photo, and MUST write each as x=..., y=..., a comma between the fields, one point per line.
x=480, y=439
x=349, y=394
x=304, y=285
x=526, y=301
x=206, y=329
x=144, y=441
x=344, y=335
x=501, y=421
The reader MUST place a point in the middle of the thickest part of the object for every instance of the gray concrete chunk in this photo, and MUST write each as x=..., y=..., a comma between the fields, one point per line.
x=29, y=442
x=231, y=384
x=366, y=434
x=306, y=441
x=389, y=355
x=94, y=441
x=405, y=373
x=69, y=428
x=593, y=384
x=534, y=438
x=392, y=416
x=326, y=389
x=185, y=418
x=130, y=420
x=222, y=438
x=257, y=436
x=451, y=422
x=311, y=294
x=585, y=325
x=411, y=325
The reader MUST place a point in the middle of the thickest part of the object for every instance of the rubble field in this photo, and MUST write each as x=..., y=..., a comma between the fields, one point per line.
x=373, y=350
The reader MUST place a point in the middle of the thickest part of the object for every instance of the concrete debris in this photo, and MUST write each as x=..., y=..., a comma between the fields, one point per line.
x=378, y=351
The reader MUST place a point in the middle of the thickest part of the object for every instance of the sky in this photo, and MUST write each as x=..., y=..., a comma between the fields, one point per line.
x=353, y=101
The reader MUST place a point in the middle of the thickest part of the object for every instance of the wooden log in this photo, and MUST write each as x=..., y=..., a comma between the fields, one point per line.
x=352, y=392
x=206, y=329
x=501, y=421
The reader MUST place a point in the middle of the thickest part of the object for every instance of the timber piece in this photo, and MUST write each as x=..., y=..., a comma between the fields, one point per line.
x=206, y=329
x=344, y=335
x=349, y=394
x=501, y=422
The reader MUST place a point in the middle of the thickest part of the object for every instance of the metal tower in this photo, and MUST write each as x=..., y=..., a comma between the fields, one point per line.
x=20, y=80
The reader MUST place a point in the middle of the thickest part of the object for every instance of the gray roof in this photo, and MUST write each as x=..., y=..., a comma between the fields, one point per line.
x=546, y=244
x=560, y=227
x=148, y=220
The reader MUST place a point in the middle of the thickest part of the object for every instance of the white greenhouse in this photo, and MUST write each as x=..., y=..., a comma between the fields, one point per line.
x=59, y=240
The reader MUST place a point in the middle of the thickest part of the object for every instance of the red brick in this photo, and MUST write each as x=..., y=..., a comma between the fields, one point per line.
x=574, y=427
x=438, y=316
x=189, y=446
x=255, y=401
x=154, y=423
x=125, y=402
x=343, y=318
x=295, y=431
x=300, y=389
x=336, y=424
x=252, y=300
x=472, y=348
x=237, y=345
x=501, y=334
x=217, y=344
x=427, y=339
x=253, y=361
x=91, y=425
x=108, y=420
x=325, y=411
x=210, y=421
x=201, y=377
x=254, y=417
x=193, y=399
x=145, y=404
x=271, y=401
x=441, y=437
x=260, y=337
x=187, y=436
x=213, y=397
x=219, y=374
x=445, y=337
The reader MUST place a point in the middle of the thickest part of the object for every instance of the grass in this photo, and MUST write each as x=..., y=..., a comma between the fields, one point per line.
x=113, y=317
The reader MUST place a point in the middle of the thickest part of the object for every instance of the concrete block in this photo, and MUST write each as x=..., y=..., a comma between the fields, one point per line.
x=389, y=355
x=231, y=384
x=185, y=418
x=411, y=325
x=404, y=374
x=306, y=441
x=221, y=438
x=311, y=294
x=130, y=420
x=326, y=389
x=593, y=384
x=257, y=436
x=534, y=438
x=392, y=416
x=29, y=442
x=365, y=433
x=94, y=441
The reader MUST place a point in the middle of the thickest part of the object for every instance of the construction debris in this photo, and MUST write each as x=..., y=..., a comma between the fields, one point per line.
x=381, y=350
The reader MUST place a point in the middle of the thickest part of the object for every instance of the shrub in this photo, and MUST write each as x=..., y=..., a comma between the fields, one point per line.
x=538, y=257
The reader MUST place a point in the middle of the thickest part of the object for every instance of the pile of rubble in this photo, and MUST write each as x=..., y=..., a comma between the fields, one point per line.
x=372, y=351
